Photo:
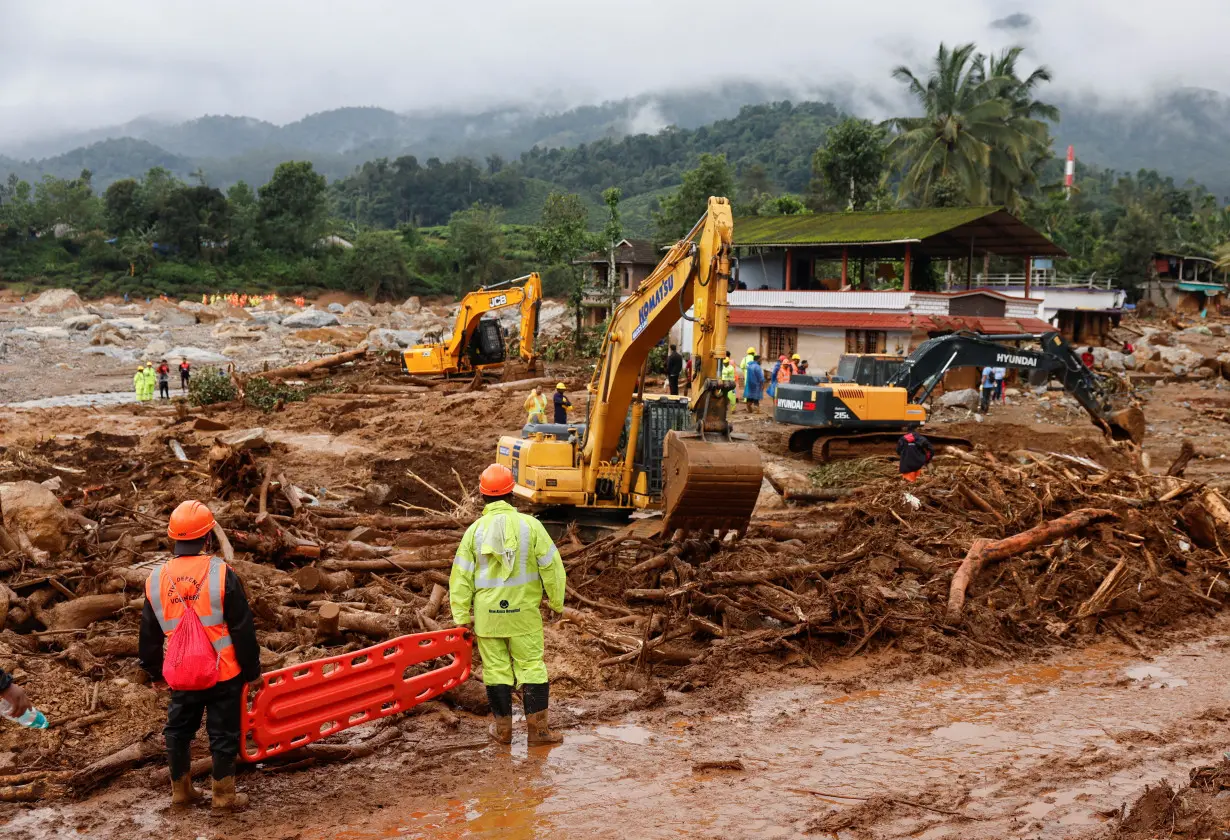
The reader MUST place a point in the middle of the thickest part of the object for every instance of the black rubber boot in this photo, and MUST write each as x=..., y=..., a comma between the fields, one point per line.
x=179, y=763
x=537, y=697
x=500, y=698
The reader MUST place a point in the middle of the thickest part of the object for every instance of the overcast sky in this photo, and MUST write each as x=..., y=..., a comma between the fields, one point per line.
x=84, y=63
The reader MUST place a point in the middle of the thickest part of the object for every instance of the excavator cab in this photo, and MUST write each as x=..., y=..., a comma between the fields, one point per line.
x=486, y=347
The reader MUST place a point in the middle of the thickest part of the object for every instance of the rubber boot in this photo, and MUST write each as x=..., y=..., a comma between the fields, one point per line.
x=537, y=699
x=226, y=798
x=500, y=697
x=179, y=764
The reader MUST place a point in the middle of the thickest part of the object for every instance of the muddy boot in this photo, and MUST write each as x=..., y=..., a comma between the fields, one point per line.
x=500, y=698
x=179, y=764
x=537, y=698
x=226, y=798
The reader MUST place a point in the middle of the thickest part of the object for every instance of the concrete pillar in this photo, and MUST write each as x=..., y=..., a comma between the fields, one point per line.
x=845, y=267
x=905, y=280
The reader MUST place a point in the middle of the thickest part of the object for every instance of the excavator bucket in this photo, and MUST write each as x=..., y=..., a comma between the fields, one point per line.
x=1127, y=424
x=709, y=484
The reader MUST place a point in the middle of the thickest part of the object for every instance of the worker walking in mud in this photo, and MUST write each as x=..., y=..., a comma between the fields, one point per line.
x=151, y=380
x=915, y=452
x=504, y=564
x=535, y=407
x=211, y=655
x=753, y=385
x=185, y=375
x=562, y=403
x=138, y=384
x=986, y=389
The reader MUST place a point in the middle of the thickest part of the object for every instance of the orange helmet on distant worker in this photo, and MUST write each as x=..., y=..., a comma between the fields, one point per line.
x=497, y=480
x=190, y=521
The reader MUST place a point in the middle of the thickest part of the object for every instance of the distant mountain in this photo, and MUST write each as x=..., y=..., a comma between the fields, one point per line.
x=1184, y=134
x=108, y=160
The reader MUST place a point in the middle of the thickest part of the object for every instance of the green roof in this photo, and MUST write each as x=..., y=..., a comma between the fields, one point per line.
x=942, y=231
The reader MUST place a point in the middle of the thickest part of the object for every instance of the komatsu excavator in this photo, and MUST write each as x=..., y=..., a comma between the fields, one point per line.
x=853, y=414
x=477, y=343
x=652, y=451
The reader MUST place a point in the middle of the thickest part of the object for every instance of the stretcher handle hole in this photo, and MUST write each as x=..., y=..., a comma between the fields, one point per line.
x=329, y=668
x=361, y=659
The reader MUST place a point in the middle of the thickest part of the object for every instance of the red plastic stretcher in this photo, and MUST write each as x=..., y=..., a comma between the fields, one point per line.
x=303, y=703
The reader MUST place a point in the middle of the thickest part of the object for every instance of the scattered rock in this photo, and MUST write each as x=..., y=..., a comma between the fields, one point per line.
x=381, y=340
x=356, y=309
x=238, y=332
x=106, y=333
x=48, y=332
x=62, y=302
x=156, y=349
x=35, y=509
x=311, y=319
x=243, y=438
x=336, y=308
x=233, y=350
x=169, y=315
x=965, y=398
x=195, y=354
x=1203, y=373
x=377, y=493
x=80, y=323
x=344, y=337
x=267, y=318
x=412, y=306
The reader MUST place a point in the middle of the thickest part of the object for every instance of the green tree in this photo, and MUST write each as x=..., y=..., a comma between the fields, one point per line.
x=848, y=169
x=293, y=208
x=785, y=205
x=477, y=243
x=16, y=209
x=122, y=207
x=194, y=219
x=1015, y=156
x=376, y=265
x=682, y=209
x=244, y=220
x=69, y=202
x=964, y=115
x=563, y=235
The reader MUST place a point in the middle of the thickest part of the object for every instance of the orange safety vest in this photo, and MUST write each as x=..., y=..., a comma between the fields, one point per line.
x=201, y=581
x=785, y=372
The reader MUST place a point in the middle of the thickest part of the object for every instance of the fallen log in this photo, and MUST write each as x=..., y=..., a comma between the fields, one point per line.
x=407, y=562
x=1187, y=451
x=82, y=612
x=110, y=766
x=313, y=579
x=113, y=645
x=394, y=389
x=334, y=522
x=794, y=486
x=913, y=558
x=291, y=493
x=199, y=767
x=772, y=573
x=327, y=621
x=520, y=384
x=983, y=551
x=23, y=793
x=305, y=369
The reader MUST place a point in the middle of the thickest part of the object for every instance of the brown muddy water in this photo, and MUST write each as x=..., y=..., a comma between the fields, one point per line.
x=1046, y=750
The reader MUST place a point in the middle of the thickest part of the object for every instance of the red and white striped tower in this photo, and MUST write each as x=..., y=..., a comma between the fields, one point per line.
x=1069, y=172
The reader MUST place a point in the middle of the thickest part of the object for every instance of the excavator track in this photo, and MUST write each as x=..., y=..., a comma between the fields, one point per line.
x=832, y=447
x=709, y=485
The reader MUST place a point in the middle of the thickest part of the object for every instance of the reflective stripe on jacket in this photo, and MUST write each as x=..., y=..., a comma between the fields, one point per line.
x=200, y=581
x=504, y=598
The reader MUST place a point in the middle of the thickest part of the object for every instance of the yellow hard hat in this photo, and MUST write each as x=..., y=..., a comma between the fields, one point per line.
x=561, y=387
x=794, y=357
x=751, y=350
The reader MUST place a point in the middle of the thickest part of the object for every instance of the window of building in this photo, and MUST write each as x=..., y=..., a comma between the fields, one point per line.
x=627, y=278
x=778, y=341
x=866, y=341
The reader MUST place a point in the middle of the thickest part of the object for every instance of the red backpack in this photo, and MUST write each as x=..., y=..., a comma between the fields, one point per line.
x=191, y=663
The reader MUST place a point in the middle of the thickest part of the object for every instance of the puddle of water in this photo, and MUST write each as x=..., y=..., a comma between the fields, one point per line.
x=1155, y=676
x=628, y=733
x=966, y=731
x=77, y=400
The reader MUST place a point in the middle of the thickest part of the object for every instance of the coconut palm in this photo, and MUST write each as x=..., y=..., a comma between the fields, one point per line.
x=968, y=112
x=1015, y=166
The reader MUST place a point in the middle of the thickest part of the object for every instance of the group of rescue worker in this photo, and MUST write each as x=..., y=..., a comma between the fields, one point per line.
x=148, y=377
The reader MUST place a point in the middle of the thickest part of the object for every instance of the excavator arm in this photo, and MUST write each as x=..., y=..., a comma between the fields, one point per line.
x=926, y=366
x=451, y=356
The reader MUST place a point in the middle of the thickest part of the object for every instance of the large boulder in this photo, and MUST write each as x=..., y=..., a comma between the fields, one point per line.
x=1114, y=361
x=965, y=398
x=344, y=337
x=195, y=355
x=1180, y=356
x=240, y=332
x=356, y=309
x=192, y=306
x=411, y=306
x=169, y=315
x=80, y=323
x=48, y=332
x=311, y=319
x=106, y=333
x=156, y=349
x=35, y=509
x=336, y=308
x=62, y=302
x=380, y=340
x=266, y=318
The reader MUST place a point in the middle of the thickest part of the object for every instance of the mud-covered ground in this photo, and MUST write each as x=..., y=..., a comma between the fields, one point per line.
x=880, y=729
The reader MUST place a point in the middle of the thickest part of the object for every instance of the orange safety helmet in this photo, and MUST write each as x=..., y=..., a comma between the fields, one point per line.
x=497, y=480
x=190, y=521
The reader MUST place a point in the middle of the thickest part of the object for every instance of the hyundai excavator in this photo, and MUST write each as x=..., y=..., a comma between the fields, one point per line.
x=854, y=415
x=477, y=343
x=639, y=451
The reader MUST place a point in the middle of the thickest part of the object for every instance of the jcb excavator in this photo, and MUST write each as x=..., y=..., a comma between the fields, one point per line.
x=854, y=414
x=652, y=451
x=477, y=343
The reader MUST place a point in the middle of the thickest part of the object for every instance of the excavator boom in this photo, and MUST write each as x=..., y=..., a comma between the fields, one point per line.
x=477, y=343
x=640, y=450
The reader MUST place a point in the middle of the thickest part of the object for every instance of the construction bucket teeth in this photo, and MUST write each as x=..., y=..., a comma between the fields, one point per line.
x=709, y=484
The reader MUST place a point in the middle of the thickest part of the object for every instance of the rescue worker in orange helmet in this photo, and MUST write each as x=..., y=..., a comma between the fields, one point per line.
x=195, y=579
x=504, y=564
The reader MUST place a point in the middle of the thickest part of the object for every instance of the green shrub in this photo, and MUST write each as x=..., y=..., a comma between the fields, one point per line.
x=260, y=393
x=211, y=386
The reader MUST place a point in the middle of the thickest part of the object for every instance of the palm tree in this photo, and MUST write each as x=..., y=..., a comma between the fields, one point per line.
x=1012, y=167
x=979, y=126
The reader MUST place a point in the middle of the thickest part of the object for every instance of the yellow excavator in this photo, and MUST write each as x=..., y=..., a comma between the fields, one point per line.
x=477, y=343
x=641, y=451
